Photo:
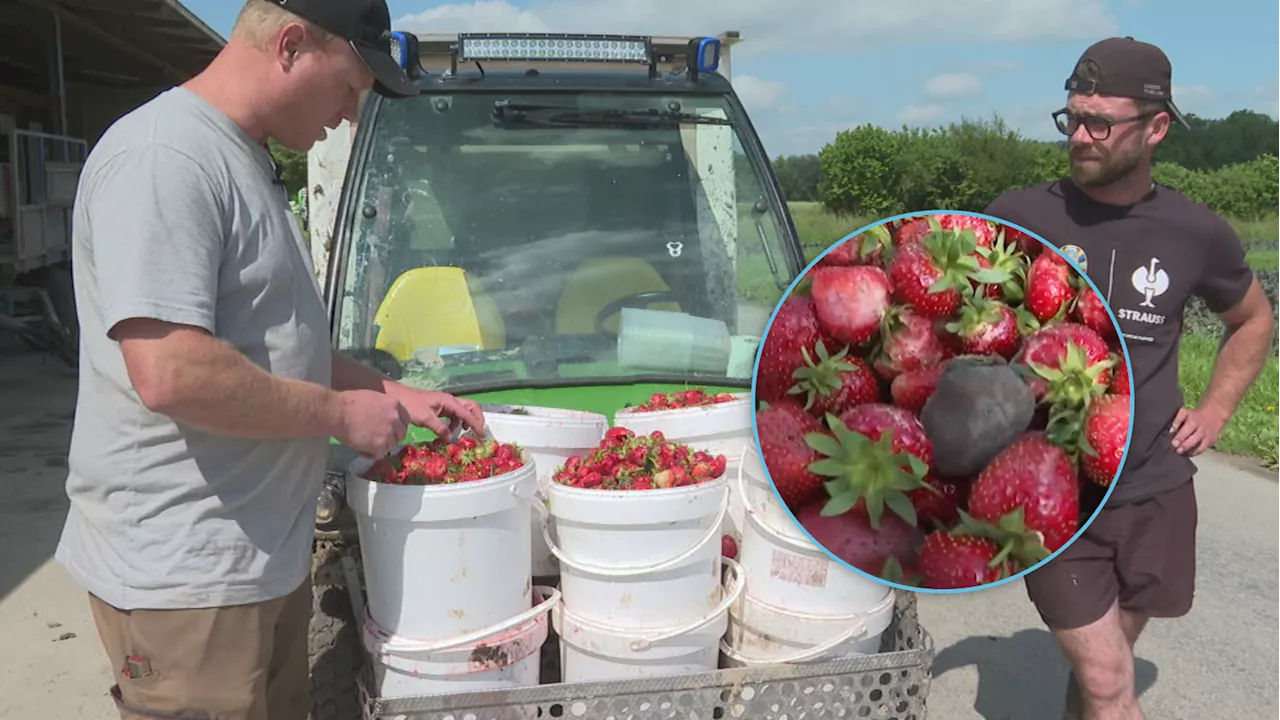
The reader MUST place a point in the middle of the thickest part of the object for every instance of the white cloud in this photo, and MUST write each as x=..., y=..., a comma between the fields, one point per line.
x=758, y=94
x=953, y=85
x=921, y=113
x=815, y=25
x=1192, y=98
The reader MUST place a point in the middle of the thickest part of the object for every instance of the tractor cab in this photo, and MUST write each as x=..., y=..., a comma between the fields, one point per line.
x=563, y=220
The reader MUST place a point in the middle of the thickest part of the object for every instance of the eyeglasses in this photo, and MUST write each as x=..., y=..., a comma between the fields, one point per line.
x=1099, y=128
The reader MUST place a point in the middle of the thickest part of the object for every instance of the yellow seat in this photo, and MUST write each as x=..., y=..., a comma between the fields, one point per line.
x=432, y=307
x=600, y=281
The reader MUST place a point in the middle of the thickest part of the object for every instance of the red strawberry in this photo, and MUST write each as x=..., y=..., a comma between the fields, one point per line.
x=1119, y=376
x=1030, y=246
x=1106, y=431
x=1049, y=286
x=1092, y=313
x=850, y=537
x=911, y=231
x=938, y=508
x=951, y=562
x=929, y=274
x=835, y=382
x=1074, y=361
x=986, y=327
x=850, y=302
x=729, y=546
x=908, y=341
x=783, y=427
x=983, y=229
x=912, y=389
x=794, y=331
x=873, y=456
x=1034, y=478
x=867, y=248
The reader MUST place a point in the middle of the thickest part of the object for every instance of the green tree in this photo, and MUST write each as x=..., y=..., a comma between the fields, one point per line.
x=293, y=166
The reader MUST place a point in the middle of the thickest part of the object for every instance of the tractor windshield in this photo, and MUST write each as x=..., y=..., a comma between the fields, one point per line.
x=543, y=240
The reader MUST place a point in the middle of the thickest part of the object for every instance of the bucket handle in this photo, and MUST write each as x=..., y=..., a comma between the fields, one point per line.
x=716, y=529
x=399, y=644
x=736, y=587
x=856, y=631
x=799, y=546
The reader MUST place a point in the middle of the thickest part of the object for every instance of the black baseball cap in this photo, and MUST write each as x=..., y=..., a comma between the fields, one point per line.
x=366, y=24
x=1125, y=67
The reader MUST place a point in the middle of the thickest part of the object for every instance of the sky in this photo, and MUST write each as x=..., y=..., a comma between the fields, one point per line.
x=807, y=69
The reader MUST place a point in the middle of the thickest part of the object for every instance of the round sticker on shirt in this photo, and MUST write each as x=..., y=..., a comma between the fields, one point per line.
x=1076, y=255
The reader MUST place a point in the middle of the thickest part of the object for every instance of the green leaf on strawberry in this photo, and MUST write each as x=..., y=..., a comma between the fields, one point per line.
x=868, y=471
x=1024, y=547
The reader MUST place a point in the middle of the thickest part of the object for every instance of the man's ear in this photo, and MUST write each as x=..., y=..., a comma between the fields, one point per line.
x=1159, y=128
x=289, y=44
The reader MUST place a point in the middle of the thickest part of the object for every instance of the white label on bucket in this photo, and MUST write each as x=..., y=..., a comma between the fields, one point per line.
x=798, y=569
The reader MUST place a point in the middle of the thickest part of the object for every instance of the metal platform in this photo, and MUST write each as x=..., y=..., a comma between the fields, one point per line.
x=891, y=685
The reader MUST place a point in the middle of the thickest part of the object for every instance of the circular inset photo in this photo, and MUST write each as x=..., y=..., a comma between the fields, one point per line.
x=942, y=401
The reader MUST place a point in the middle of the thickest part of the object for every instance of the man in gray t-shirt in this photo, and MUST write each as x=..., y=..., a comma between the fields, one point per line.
x=208, y=386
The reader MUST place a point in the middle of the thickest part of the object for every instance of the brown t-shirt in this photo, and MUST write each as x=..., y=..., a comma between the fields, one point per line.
x=1148, y=259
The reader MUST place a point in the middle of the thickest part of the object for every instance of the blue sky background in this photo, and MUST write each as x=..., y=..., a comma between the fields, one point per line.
x=825, y=65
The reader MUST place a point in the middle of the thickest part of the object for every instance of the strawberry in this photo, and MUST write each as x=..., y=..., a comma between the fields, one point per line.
x=986, y=327
x=910, y=390
x=1030, y=246
x=1092, y=313
x=729, y=546
x=984, y=230
x=783, y=427
x=939, y=506
x=867, y=248
x=954, y=561
x=874, y=454
x=908, y=341
x=1036, y=479
x=1119, y=384
x=1049, y=287
x=911, y=231
x=1073, y=360
x=1106, y=432
x=928, y=275
x=850, y=302
x=851, y=537
x=835, y=382
x=794, y=331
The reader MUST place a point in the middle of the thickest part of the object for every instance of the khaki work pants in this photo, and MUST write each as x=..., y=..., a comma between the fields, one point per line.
x=244, y=662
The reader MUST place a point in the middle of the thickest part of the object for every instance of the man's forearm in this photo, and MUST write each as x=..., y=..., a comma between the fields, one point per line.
x=1241, y=357
x=351, y=374
x=203, y=382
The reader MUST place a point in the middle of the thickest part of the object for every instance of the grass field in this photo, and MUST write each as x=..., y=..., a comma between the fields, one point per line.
x=1251, y=432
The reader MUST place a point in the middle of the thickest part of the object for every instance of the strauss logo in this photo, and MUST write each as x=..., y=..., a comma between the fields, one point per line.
x=1150, y=281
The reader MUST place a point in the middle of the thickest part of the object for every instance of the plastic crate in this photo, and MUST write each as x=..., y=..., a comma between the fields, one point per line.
x=891, y=685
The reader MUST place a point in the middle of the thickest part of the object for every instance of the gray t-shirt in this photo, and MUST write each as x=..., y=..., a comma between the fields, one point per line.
x=177, y=218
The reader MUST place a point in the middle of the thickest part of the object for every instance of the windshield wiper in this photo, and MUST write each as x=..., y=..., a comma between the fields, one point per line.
x=558, y=115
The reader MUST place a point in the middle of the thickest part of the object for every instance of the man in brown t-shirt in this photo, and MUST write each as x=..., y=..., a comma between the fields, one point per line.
x=1149, y=249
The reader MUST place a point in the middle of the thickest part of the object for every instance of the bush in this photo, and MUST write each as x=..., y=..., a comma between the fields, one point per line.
x=1200, y=321
x=869, y=171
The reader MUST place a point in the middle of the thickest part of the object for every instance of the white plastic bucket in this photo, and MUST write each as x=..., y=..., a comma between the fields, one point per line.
x=795, y=575
x=550, y=436
x=720, y=429
x=445, y=560
x=755, y=493
x=763, y=635
x=638, y=559
x=595, y=651
x=503, y=656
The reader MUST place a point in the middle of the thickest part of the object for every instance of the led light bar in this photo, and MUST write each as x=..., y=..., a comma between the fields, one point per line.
x=400, y=49
x=554, y=47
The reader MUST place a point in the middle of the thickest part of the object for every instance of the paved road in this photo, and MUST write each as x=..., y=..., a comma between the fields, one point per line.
x=994, y=661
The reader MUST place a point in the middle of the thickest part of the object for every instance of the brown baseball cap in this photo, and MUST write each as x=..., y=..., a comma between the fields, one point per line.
x=1125, y=67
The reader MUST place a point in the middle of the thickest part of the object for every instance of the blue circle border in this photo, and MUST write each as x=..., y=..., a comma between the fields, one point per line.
x=755, y=403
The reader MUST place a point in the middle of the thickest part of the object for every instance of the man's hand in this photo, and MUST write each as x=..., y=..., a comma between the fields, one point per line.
x=427, y=408
x=1196, y=430
x=370, y=422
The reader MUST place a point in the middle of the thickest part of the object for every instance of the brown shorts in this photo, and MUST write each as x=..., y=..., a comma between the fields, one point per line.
x=1142, y=555
x=244, y=662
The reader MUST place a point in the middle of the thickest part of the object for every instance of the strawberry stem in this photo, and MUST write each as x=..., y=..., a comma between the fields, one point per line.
x=866, y=470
